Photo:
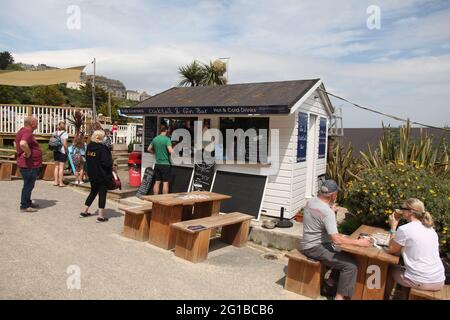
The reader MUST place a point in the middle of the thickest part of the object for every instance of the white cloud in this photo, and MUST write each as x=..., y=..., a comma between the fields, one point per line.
x=394, y=69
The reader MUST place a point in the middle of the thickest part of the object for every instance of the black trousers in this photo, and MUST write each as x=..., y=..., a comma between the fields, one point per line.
x=100, y=189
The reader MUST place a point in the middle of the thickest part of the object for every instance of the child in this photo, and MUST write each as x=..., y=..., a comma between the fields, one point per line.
x=79, y=158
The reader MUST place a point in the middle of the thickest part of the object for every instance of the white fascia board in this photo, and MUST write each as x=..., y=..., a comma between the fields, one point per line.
x=307, y=95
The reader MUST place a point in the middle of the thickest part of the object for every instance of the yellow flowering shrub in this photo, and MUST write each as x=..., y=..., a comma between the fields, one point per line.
x=400, y=181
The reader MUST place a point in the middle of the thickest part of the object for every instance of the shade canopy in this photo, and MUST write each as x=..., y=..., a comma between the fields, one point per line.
x=40, y=78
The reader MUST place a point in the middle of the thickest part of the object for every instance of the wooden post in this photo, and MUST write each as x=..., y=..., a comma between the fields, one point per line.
x=29, y=111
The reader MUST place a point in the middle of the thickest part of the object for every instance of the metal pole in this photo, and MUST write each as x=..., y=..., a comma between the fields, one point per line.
x=94, y=110
x=109, y=105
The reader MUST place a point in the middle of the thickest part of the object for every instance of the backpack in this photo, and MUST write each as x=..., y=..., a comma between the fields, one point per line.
x=77, y=157
x=55, y=142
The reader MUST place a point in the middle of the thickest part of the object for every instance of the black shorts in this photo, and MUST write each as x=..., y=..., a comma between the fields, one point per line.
x=162, y=172
x=59, y=157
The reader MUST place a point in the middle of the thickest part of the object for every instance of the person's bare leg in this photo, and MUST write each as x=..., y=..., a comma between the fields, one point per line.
x=61, y=173
x=55, y=173
x=101, y=213
x=86, y=209
x=165, y=187
x=81, y=175
x=156, y=187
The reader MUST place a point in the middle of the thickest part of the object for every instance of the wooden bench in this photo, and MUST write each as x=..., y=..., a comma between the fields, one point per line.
x=304, y=276
x=193, y=245
x=137, y=222
x=47, y=171
x=8, y=167
x=443, y=294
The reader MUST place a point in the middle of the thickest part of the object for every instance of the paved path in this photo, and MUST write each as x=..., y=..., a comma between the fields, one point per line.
x=37, y=248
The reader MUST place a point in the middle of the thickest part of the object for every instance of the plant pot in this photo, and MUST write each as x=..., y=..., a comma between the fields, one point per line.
x=299, y=218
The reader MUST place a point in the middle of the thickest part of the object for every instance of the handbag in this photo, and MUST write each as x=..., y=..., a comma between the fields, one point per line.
x=115, y=182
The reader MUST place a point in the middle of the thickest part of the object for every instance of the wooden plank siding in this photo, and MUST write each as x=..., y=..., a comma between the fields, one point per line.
x=298, y=201
x=286, y=188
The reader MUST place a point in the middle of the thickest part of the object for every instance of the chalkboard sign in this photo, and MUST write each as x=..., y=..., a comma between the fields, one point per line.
x=246, y=190
x=146, y=184
x=181, y=179
x=150, y=131
x=203, y=176
x=302, y=136
x=322, y=137
x=139, y=131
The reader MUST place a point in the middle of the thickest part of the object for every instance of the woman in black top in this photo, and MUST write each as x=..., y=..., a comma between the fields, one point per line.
x=99, y=168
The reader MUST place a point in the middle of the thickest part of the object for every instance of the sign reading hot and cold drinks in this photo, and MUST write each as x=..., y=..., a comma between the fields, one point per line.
x=302, y=136
x=207, y=110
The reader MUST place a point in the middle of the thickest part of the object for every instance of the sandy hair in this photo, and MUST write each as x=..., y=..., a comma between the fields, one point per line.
x=418, y=209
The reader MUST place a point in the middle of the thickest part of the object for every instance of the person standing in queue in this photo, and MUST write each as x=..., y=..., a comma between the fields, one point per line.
x=29, y=162
x=161, y=146
x=99, y=168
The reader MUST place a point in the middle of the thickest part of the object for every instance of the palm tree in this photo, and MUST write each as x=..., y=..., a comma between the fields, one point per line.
x=191, y=74
x=214, y=73
x=77, y=120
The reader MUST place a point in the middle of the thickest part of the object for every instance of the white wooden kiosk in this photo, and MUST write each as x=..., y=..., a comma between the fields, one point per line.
x=299, y=109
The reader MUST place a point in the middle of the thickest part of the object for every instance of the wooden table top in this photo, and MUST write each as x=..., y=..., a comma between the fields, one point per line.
x=370, y=252
x=186, y=198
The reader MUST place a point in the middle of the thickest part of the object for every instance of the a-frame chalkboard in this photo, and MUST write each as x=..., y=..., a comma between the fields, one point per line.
x=146, y=184
x=203, y=176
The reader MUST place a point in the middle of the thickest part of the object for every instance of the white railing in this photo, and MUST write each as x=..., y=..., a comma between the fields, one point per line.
x=12, y=118
x=125, y=133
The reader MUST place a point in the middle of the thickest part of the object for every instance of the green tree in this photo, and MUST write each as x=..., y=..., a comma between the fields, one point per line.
x=15, y=95
x=47, y=95
x=101, y=96
x=214, y=73
x=192, y=74
x=5, y=60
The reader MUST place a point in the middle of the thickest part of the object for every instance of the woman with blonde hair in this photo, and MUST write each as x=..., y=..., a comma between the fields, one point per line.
x=99, y=168
x=419, y=244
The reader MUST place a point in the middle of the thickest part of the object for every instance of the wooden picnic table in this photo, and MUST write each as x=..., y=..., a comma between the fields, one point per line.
x=175, y=207
x=368, y=259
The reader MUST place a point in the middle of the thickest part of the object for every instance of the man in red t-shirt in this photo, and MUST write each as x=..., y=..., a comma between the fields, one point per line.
x=29, y=161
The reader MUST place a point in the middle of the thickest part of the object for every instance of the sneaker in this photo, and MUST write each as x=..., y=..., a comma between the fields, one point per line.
x=101, y=220
x=85, y=215
x=29, y=209
x=34, y=205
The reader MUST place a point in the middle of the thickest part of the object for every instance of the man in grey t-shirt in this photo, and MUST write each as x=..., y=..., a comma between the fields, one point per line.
x=320, y=235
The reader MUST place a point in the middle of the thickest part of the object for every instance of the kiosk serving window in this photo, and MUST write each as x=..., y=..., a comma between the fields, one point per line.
x=260, y=141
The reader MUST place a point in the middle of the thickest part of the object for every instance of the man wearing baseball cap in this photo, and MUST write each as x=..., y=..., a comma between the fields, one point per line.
x=320, y=238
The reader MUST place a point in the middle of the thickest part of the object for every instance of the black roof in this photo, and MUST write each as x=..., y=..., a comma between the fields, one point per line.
x=264, y=94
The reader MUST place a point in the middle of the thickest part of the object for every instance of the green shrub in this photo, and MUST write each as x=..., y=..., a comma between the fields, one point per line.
x=380, y=190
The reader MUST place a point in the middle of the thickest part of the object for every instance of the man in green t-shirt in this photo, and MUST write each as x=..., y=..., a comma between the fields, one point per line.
x=161, y=146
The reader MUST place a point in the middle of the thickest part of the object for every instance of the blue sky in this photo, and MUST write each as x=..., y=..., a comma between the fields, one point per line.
x=403, y=68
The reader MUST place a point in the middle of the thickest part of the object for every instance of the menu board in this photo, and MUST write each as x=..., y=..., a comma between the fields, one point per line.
x=150, y=130
x=203, y=176
x=322, y=137
x=302, y=136
x=146, y=184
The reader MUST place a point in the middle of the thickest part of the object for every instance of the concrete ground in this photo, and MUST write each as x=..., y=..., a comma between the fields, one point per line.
x=36, y=250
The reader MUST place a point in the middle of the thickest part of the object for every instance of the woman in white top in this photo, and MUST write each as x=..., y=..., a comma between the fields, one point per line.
x=419, y=244
x=60, y=155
